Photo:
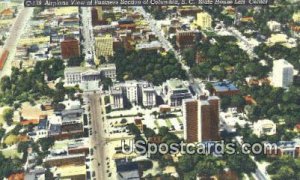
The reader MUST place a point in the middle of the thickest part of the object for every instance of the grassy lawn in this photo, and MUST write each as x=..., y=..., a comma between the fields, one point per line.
x=168, y=122
x=179, y=120
x=210, y=33
x=11, y=153
x=11, y=139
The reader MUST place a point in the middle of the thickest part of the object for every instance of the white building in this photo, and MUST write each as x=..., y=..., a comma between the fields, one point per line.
x=174, y=91
x=116, y=97
x=204, y=20
x=73, y=75
x=264, y=127
x=108, y=71
x=91, y=79
x=131, y=91
x=283, y=73
x=88, y=78
x=154, y=45
x=231, y=118
x=135, y=91
x=148, y=95
x=274, y=26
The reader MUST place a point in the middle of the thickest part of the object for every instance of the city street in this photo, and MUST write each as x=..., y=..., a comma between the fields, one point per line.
x=88, y=36
x=15, y=33
x=97, y=138
x=167, y=45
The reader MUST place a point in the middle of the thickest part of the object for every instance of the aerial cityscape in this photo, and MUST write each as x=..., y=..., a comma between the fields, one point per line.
x=161, y=92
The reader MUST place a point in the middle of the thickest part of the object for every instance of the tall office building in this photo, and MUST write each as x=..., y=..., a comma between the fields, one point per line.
x=99, y=13
x=201, y=119
x=282, y=73
x=204, y=20
x=70, y=48
x=104, y=46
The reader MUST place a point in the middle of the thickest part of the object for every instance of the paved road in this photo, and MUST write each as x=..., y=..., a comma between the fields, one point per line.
x=97, y=139
x=15, y=33
x=88, y=36
x=168, y=46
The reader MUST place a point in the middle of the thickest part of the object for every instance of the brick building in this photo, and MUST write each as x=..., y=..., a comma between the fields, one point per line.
x=201, y=119
x=70, y=48
x=186, y=39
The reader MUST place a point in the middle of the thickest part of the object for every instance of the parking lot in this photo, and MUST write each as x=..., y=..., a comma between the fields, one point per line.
x=117, y=121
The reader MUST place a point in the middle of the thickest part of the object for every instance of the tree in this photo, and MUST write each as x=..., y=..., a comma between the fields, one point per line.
x=208, y=167
x=225, y=102
x=9, y=166
x=238, y=101
x=149, y=132
x=163, y=131
x=189, y=55
x=2, y=133
x=133, y=129
x=187, y=162
x=123, y=121
x=5, y=83
x=46, y=143
x=8, y=114
x=155, y=113
x=107, y=82
x=284, y=172
x=75, y=61
x=235, y=162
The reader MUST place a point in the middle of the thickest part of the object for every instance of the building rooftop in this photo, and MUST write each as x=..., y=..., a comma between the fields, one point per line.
x=71, y=170
x=282, y=63
x=75, y=69
x=224, y=86
x=176, y=84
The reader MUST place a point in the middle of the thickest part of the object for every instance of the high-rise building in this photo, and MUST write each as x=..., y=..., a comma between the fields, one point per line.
x=104, y=46
x=201, y=119
x=282, y=73
x=191, y=125
x=99, y=13
x=204, y=20
x=70, y=48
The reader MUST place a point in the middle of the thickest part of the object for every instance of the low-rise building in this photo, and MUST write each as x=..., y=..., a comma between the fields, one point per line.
x=274, y=26
x=174, y=91
x=63, y=159
x=127, y=170
x=283, y=148
x=230, y=119
x=264, y=127
x=296, y=16
x=108, y=70
x=40, y=131
x=224, y=88
x=76, y=172
x=154, y=45
x=7, y=14
x=73, y=75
